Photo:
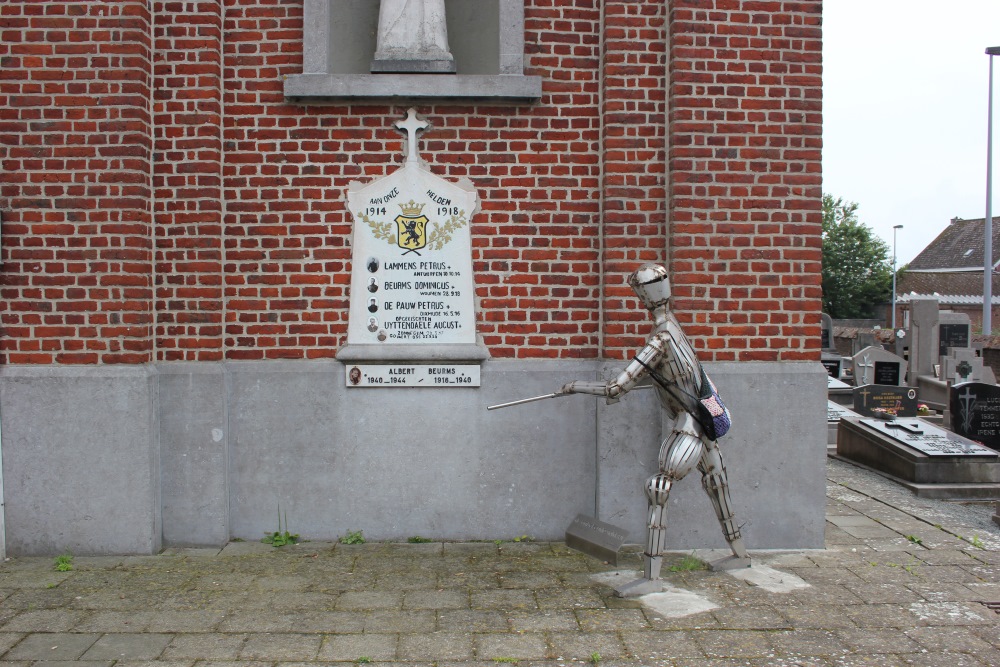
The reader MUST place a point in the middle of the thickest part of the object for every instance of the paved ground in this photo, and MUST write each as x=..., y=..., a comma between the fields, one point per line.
x=901, y=582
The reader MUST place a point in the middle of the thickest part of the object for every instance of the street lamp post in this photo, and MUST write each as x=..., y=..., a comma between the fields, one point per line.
x=894, y=229
x=988, y=222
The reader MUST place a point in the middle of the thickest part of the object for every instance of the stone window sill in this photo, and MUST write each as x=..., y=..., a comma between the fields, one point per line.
x=510, y=88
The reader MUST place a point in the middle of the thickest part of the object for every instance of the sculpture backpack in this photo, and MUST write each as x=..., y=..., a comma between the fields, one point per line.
x=707, y=408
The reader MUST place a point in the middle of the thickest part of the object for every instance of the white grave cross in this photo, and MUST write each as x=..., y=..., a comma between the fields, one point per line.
x=866, y=364
x=411, y=126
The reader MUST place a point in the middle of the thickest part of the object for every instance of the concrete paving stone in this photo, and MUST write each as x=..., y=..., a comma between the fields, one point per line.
x=155, y=663
x=564, y=621
x=235, y=581
x=146, y=646
x=361, y=600
x=504, y=599
x=880, y=616
x=75, y=663
x=655, y=645
x=15, y=663
x=813, y=616
x=887, y=548
x=436, y=599
x=888, y=570
x=934, y=592
x=944, y=557
x=281, y=646
x=207, y=646
x=533, y=580
x=945, y=659
x=882, y=660
x=334, y=622
x=257, y=621
x=44, y=620
x=824, y=594
x=875, y=532
x=235, y=663
x=834, y=535
x=882, y=593
x=808, y=643
x=952, y=613
x=351, y=647
x=877, y=641
x=571, y=598
x=8, y=640
x=823, y=575
x=957, y=639
x=700, y=621
x=987, y=634
x=33, y=599
x=55, y=646
x=391, y=621
x=435, y=646
x=522, y=647
x=474, y=620
x=595, y=620
x=347, y=581
x=751, y=618
x=945, y=574
x=582, y=645
x=114, y=621
x=734, y=643
x=464, y=549
x=855, y=520
x=474, y=580
x=184, y=621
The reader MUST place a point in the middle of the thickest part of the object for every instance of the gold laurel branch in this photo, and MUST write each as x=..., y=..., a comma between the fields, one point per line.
x=380, y=230
x=438, y=239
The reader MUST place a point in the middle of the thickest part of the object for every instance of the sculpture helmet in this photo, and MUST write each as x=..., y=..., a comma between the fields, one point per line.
x=651, y=284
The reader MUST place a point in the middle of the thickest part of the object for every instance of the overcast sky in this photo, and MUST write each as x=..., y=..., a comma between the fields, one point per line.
x=905, y=89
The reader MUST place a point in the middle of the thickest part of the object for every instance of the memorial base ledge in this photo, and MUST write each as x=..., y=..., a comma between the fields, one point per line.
x=472, y=353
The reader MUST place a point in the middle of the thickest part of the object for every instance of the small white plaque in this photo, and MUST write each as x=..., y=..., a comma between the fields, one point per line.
x=420, y=375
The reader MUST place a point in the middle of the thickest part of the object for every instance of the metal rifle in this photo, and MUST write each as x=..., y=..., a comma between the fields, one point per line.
x=542, y=398
x=525, y=400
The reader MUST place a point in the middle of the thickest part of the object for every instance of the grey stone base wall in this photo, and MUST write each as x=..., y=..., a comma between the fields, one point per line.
x=122, y=459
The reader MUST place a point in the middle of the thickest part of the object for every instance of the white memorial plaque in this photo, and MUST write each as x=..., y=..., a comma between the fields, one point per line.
x=412, y=281
x=406, y=375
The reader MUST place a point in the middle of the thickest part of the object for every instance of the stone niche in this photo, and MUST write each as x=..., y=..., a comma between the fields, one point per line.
x=486, y=37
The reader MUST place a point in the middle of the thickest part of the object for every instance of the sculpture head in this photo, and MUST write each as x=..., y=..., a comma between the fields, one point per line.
x=651, y=284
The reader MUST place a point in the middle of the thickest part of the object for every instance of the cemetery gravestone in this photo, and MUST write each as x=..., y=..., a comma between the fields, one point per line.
x=826, y=334
x=921, y=453
x=872, y=400
x=875, y=365
x=953, y=334
x=924, y=319
x=975, y=410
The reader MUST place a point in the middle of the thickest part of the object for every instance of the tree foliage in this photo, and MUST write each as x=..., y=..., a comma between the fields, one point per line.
x=857, y=267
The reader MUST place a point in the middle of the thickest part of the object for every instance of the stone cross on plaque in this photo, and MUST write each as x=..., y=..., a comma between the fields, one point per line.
x=411, y=125
x=866, y=364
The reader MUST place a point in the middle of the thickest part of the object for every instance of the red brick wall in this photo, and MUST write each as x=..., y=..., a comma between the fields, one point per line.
x=75, y=183
x=745, y=144
x=245, y=191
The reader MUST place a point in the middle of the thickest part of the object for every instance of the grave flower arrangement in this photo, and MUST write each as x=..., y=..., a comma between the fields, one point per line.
x=922, y=409
x=884, y=413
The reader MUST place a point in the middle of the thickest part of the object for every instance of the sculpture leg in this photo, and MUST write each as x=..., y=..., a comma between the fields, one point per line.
x=679, y=454
x=716, y=485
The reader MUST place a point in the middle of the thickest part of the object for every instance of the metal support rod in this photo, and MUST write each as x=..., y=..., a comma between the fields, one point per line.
x=988, y=221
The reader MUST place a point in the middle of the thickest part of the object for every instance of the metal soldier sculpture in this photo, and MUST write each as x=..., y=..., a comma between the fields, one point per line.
x=669, y=355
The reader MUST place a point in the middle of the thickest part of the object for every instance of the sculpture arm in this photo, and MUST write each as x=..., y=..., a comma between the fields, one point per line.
x=625, y=381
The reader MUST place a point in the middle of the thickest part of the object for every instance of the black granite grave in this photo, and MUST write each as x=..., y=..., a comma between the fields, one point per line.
x=887, y=372
x=975, y=412
x=832, y=367
x=928, y=460
x=871, y=398
x=952, y=335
